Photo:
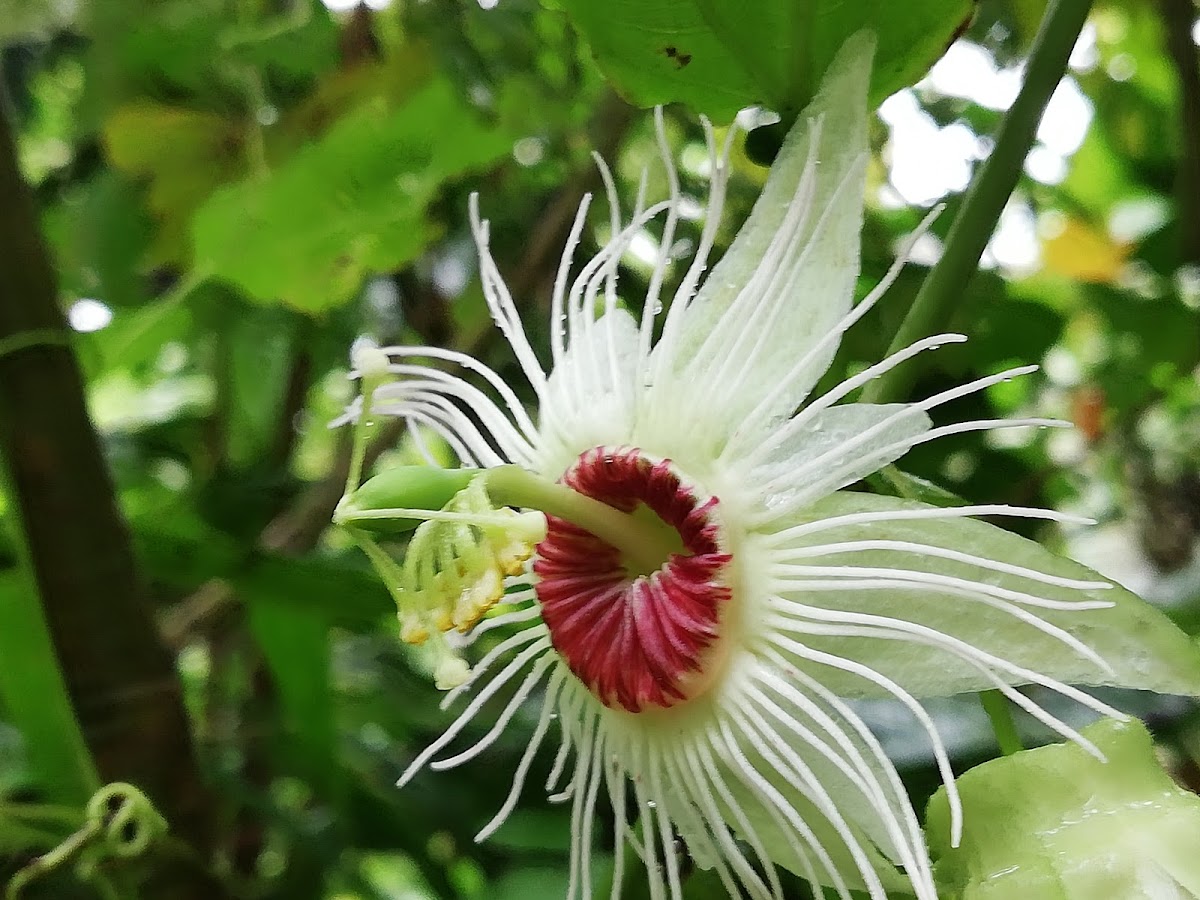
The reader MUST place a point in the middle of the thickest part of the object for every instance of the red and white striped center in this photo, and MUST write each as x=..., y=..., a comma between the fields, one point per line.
x=636, y=639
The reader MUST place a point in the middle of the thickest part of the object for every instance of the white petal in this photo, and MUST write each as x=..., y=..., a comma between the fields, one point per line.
x=789, y=276
x=590, y=394
x=831, y=452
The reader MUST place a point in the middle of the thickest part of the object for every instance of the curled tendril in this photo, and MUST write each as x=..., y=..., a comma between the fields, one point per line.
x=120, y=823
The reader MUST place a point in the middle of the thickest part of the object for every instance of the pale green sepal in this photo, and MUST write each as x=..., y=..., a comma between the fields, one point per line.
x=793, y=301
x=773, y=755
x=1143, y=647
x=771, y=835
x=1057, y=824
x=591, y=394
x=781, y=852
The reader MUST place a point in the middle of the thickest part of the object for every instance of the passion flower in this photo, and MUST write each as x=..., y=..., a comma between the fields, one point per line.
x=694, y=597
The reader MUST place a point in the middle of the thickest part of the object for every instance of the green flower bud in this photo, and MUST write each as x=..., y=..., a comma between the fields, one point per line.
x=403, y=487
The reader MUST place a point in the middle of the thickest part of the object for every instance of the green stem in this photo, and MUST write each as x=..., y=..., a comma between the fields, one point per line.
x=51, y=860
x=989, y=191
x=358, y=448
x=999, y=711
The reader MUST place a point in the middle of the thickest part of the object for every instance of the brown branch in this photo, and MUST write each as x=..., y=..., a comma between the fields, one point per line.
x=121, y=679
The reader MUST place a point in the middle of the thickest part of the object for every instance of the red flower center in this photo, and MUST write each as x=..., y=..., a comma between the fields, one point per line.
x=635, y=638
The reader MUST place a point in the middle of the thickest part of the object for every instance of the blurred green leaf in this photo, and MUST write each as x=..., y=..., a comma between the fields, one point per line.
x=102, y=235
x=261, y=346
x=345, y=595
x=350, y=205
x=295, y=643
x=182, y=155
x=1146, y=338
x=34, y=827
x=303, y=42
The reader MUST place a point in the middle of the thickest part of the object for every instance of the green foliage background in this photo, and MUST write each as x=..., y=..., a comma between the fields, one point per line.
x=248, y=186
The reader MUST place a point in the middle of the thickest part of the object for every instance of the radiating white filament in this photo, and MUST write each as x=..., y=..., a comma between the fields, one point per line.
x=728, y=780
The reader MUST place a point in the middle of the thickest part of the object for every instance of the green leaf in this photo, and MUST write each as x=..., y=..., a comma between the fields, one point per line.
x=28, y=827
x=35, y=699
x=347, y=206
x=182, y=155
x=295, y=643
x=347, y=596
x=1144, y=649
x=1058, y=824
x=718, y=56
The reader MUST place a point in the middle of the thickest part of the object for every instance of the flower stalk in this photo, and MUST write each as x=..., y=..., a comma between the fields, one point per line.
x=990, y=189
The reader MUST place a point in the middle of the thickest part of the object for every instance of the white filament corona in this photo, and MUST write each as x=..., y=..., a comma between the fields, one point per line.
x=836, y=595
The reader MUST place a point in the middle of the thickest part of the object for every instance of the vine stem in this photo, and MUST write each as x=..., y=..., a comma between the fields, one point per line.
x=999, y=712
x=989, y=191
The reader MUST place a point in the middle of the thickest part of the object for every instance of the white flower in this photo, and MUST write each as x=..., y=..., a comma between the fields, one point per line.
x=697, y=627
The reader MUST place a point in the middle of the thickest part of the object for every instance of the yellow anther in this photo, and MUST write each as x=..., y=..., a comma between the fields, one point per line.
x=412, y=629
x=477, y=598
